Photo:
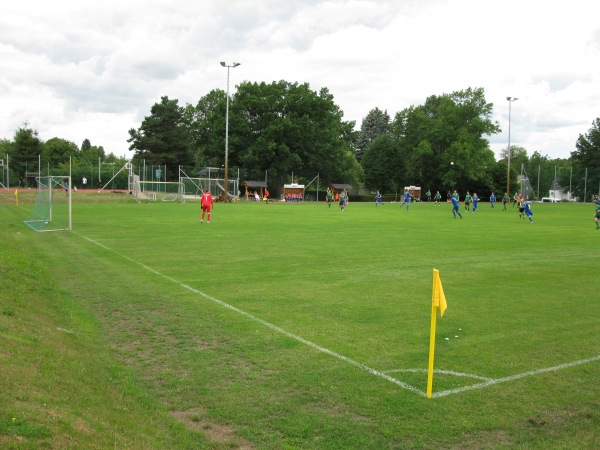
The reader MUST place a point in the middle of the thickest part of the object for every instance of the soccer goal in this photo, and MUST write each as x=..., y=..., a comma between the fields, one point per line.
x=195, y=187
x=157, y=191
x=3, y=172
x=52, y=208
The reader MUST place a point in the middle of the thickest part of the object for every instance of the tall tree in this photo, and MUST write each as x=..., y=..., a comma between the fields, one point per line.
x=85, y=145
x=384, y=164
x=163, y=138
x=92, y=154
x=5, y=147
x=206, y=125
x=286, y=127
x=587, y=158
x=26, y=151
x=518, y=160
x=59, y=150
x=449, y=128
x=518, y=156
x=537, y=159
x=375, y=123
x=537, y=174
x=588, y=147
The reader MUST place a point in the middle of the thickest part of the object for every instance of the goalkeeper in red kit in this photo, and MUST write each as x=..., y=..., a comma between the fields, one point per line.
x=206, y=202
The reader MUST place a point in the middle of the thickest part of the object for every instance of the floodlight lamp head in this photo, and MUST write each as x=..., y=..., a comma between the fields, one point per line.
x=223, y=63
x=235, y=64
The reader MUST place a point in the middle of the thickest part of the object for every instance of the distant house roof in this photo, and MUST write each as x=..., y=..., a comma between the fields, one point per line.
x=255, y=184
x=340, y=186
x=554, y=186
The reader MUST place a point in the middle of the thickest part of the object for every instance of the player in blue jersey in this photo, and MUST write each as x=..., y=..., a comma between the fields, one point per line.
x=492, y=199
x=378, y=199
x=455, y=207
x=528, y=211
x=475, y=199
x=407, y=198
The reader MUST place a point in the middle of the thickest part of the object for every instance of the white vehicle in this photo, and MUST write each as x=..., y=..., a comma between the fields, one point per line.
x=550, y=200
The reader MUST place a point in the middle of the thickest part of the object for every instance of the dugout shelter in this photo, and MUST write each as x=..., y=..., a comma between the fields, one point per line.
x=249, y=187
x=337, y=187
x=415, y=192
x=293, y=192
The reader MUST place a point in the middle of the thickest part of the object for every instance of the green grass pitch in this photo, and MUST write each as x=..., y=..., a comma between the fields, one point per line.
x=299, y=326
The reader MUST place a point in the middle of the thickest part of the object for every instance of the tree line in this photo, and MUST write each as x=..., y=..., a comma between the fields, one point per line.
x=441, y=145
x=29, y=156
x=282, y=128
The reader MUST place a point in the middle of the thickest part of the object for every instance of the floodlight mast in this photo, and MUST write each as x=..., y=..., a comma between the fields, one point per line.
x=510, y=100
x=226, y=175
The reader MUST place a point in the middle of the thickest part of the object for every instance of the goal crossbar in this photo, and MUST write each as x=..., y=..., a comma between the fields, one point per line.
x=152, y=191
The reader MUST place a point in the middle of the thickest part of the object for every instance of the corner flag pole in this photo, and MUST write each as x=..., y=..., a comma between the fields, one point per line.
x=438, y=300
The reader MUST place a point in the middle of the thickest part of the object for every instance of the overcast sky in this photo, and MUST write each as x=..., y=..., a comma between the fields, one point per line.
x=78, y=69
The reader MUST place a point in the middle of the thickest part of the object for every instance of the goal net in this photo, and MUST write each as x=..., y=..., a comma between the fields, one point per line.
x=157, y=191
x=3, y=172
x=52, y=208
x=195, y=187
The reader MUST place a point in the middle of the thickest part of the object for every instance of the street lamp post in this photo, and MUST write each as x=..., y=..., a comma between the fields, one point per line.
x=510, y=100
x=226, y=177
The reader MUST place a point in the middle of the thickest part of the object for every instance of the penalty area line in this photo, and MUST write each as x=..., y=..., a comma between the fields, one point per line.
x=273, y=327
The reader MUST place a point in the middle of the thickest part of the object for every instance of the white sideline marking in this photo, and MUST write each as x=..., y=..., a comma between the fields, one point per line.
x=269, y=325
x=514, y=377
x=446, y=372
x=383, y=374
x=64, y=330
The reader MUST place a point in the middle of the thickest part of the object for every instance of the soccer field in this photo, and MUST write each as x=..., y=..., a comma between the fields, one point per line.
x=301, y=326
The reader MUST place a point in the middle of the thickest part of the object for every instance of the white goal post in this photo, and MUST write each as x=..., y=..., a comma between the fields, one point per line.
x=194, y=187
x=157, y=191
x=4, y=171
x=52, y=208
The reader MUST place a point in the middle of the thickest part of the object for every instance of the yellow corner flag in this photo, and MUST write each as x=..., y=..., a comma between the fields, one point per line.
x=438, y=301
x=17, y=196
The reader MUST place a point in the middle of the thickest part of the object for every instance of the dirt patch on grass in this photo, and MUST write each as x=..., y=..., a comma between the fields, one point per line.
x=484, y=440
x=195, y=419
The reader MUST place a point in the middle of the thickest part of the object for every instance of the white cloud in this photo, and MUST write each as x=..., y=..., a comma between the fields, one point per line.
x=80, y=70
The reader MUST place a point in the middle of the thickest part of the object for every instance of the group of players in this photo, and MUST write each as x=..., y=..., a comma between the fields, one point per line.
x=340, y=198
x=524, y=206
x=207, y=203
